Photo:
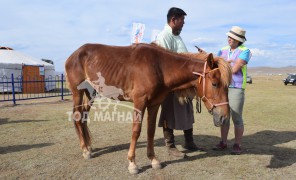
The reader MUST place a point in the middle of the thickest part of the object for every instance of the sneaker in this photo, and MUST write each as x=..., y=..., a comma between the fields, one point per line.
x=220, y=146
x=236, y=149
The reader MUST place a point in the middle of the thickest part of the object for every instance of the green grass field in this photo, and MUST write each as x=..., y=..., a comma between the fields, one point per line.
x=38, y=142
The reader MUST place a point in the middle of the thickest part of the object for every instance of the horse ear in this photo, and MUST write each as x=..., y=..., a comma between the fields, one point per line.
x=210, y=60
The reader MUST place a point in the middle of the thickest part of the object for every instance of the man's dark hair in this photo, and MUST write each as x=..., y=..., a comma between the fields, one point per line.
x=175, y=12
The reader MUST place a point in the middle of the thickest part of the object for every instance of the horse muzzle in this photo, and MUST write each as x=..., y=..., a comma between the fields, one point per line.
x=218, y=119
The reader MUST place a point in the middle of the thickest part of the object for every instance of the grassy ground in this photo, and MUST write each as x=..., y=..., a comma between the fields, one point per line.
x=37, y=141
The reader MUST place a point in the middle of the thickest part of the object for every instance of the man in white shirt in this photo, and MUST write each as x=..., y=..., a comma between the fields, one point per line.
x=175, y=115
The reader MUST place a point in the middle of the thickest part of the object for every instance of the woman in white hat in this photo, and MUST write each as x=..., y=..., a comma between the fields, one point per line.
x=238, y=56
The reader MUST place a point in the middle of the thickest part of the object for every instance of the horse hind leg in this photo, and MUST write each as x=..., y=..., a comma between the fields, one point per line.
x=88, y=100
x=80, y=125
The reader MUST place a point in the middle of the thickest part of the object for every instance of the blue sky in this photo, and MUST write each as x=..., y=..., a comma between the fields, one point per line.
x=54, y=29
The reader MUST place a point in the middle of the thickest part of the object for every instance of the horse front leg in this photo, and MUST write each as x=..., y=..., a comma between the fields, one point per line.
x=136, y=131
x=151, y=124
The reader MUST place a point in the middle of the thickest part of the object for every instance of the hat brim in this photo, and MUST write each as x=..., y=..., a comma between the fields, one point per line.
x=235, y=37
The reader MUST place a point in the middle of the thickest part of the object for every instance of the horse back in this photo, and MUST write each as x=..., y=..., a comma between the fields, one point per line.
x=121, y=66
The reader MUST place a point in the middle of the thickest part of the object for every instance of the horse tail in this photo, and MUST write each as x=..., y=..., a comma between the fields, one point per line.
x=67, y=82
x=75, y=75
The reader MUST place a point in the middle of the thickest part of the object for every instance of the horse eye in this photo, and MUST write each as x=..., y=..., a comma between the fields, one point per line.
x=214, y=85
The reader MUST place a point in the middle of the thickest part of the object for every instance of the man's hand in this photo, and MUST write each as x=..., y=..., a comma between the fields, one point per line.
x=200, y=50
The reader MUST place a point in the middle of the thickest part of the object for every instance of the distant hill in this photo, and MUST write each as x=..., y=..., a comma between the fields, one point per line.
x=271, y=70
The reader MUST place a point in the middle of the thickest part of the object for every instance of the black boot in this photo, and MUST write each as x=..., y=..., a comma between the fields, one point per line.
x=170, y=143
x=189, y=143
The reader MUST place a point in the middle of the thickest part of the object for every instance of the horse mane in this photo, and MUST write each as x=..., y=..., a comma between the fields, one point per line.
x=225, y=70
x=224, y=67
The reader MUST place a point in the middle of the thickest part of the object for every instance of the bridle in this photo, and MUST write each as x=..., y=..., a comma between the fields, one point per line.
x=204, y=98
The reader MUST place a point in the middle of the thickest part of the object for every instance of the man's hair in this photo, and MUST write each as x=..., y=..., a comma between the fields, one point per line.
x=175, y=12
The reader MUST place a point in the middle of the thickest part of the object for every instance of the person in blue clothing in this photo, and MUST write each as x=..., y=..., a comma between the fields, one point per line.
x=238, y=56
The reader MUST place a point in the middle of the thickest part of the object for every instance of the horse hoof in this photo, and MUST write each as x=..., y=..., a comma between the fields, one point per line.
x=156, y=164
x=86, y=155
x=133, y=169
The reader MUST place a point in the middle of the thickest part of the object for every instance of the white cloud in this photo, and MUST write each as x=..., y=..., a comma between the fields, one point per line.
x=54, y=29
x=203, y=40
x=258, y=52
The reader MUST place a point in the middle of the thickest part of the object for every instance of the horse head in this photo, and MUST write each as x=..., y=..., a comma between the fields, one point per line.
x=212, y=87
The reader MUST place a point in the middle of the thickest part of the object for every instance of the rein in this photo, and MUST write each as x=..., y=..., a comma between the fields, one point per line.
x=204, y=98
x=198, y=105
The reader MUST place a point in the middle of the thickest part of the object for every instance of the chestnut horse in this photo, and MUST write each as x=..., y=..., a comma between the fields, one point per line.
x=146, y=74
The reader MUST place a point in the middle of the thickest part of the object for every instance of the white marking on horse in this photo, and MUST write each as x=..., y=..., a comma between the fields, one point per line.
x=100, y=89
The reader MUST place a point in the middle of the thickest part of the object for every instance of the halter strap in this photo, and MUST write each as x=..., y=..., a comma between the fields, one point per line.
x=204, y=98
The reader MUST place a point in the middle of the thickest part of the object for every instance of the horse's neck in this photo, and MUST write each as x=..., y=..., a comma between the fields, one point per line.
x=178, y=72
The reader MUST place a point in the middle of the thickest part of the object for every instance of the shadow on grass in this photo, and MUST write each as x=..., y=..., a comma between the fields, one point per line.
x=265, y=143
x=6, y=121
x=260, y=143
x=18, y=148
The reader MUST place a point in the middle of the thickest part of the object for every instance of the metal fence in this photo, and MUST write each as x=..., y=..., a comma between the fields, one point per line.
x=17, y=88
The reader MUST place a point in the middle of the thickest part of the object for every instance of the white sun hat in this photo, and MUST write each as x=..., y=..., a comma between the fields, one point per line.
x=237, y=33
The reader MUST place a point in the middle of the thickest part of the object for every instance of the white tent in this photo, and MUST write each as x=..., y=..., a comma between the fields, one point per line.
x=13, y=62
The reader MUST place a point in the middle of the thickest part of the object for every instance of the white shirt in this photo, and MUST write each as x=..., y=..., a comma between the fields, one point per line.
x=168, y=40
